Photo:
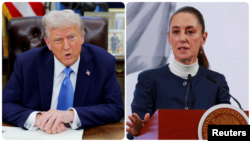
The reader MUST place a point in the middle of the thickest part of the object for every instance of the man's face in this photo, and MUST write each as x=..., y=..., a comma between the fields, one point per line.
x=65, y=44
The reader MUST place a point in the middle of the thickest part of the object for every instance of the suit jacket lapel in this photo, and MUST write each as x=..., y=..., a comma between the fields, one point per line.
x=46, y=78
x=83, y=80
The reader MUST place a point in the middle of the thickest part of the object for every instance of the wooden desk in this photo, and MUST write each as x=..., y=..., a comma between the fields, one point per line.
x=111, y=131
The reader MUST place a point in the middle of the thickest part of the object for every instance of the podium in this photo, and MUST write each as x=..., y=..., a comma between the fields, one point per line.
x=172, y=124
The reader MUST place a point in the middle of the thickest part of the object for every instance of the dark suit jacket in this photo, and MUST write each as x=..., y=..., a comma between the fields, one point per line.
x=161, y=89
x=97, y=98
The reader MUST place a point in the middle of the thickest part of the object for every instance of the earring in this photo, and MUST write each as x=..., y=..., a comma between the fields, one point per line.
x=170, y=50
x=201, y=49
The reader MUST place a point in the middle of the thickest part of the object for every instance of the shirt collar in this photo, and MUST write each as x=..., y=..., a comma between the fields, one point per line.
x=59, y=67
x=185, y=69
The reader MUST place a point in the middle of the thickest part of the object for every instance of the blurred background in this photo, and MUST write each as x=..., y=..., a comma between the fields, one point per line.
x=112, y=11
x=227, y=45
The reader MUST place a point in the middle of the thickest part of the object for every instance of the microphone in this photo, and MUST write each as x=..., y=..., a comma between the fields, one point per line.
x=189, y=81
x=215, y=82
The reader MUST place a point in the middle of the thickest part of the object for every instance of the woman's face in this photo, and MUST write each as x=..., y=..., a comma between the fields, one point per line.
x=185, y=36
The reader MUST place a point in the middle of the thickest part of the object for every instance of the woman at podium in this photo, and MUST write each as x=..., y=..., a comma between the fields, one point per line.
x=168, y=87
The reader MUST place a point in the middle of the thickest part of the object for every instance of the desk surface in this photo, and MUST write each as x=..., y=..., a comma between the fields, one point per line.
x=109, y=131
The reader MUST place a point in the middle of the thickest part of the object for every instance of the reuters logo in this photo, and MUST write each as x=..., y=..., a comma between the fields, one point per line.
x=223, y=114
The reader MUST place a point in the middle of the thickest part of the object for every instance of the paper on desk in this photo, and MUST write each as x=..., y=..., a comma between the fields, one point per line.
x=17, y=133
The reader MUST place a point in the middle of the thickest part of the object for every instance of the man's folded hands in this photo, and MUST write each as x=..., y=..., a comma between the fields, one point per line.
x=52, y=121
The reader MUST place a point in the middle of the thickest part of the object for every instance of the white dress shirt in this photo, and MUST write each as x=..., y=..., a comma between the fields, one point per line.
x=183, y=70
x=59, y=76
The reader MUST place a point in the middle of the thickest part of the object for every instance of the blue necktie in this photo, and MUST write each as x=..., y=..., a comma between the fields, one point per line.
x=66, y=95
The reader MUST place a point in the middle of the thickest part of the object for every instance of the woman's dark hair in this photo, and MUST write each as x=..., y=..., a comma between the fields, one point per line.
x=202, y=59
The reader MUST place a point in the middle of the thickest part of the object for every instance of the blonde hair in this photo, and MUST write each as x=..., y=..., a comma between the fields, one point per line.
x=61, y=19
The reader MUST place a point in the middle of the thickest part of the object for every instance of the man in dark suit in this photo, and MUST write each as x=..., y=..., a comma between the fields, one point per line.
x=114, y=43
x=67, y=81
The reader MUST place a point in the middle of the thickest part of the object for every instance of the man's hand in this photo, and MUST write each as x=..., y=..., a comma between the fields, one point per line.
x=59, y=128
x=136, y=123
x=52, y=119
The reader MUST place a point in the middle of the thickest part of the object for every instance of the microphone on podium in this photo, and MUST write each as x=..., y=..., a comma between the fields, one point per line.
x=188, y=81
x=215, y=82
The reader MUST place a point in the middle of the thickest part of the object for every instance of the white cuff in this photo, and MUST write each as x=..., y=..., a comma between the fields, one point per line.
x=30, y=122
x=76, y=122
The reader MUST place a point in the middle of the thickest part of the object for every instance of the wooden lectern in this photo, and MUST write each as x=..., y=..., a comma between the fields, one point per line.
x=172, y=124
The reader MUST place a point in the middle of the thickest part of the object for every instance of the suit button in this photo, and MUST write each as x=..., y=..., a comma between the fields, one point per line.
x=185, y=83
